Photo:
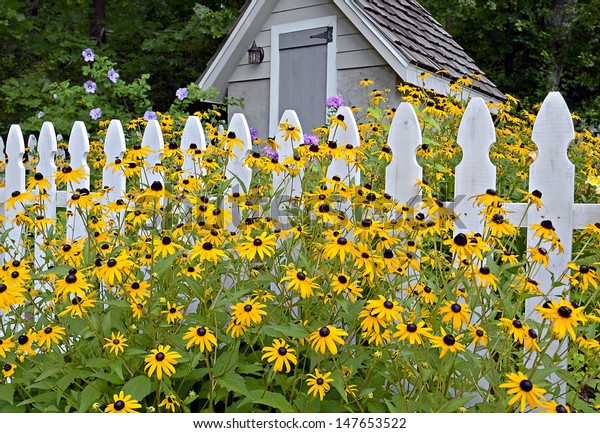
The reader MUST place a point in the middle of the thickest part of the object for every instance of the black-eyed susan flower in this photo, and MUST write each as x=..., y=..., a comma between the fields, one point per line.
x=261, y=246
x=478, y=335
x=73, y=284
x=485, y=278
x=552, y=406
x=299, y=281
x=164, y=247
x=539, y=255
x=123, y=404
x=248, y=312
x=116, y=342
x=413, y=332
x=531, y=341
x=24, y=342
x=544, y=230
x=161, y=360
x=207, y=251
x=281, y=355
x=6, y=344
x=79, y=305
x=319, y=384
x=371, y=321
x=388, y=309
x=38, y=182
x=200, y=336
x=447, y=342
x=525, y=392
x=173, y=312
x=459, y=246
x=499, y=226
x=138, y=309
x=584, y=276
x=456, y=313
x=115, y=269
x=514, y=327
x=170, y=402
x=17, y=197
x=8, y=370
x=326, y=338
x=68, y=175
x=341, y=283
x=138, y=290
x=564, y=315
x=235, y=328
x=339, y=247
x=50, y=334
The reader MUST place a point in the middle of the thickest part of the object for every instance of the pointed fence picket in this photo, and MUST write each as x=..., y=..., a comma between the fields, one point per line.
x=552, y=173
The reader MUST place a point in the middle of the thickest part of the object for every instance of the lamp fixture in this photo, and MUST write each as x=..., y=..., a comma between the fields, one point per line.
x=255, y=54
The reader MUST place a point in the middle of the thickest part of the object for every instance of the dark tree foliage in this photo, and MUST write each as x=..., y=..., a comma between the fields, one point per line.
x=531, y=47
x=42, y=41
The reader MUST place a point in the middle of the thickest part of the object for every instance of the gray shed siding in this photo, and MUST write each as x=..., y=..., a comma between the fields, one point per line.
x=355, y=58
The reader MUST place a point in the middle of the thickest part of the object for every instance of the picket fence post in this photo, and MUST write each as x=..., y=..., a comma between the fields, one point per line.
x=79, y=147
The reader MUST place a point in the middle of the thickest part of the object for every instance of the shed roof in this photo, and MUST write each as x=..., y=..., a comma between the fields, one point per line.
x=401, y=31
x=423, y=41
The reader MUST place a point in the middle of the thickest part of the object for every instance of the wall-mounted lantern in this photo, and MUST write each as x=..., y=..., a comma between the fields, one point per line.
x=255, y=54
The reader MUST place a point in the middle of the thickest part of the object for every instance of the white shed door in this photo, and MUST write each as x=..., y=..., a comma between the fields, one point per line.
x=303, y=74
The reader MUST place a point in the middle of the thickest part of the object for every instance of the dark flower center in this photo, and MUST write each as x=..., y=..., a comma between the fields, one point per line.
x=460, y=240
x=365, y=255
x=537, y=193
x=135, y=285
x=257, y=242
x=517, y=324
x=342, y=279
x=532, y=333
x=282, y=351
x=301, y=276
x=160, y=356
x=427, y=289
x=207, y=246
x=484, y=270
x=166, y=240
x=201, y=331
x=3, y=287
x=247, y=308
x=38, y=176
x=173, y=310
x=7, y=367
x=449, y=340
x=116, y=342
x=388, y=254
x=498, y=219
x=111, y=263
x=324, y=331
x=411, y=327
x=320, y=381
x=156, y=186
x=119, y=405
x=559, y=408
x=564, y=312
x=23, y=339
x=71, y=279
x=342, y=241
x=584, y=269
x=479, y=333
x=526, y=385
x=388, y=304
x=48, y=330
x=491, y=192
x=456, y=308
x=547, y=224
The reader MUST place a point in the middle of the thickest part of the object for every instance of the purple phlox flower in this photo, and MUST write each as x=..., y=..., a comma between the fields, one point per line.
x=40, y=114
x=150, y=115
x=269, y=152
x=89, y=86
x=253, y=133
x=335, y=101
x=181, y=93
x=95, y=113
x=88, y=55
x=113, y=75
x=311, y=139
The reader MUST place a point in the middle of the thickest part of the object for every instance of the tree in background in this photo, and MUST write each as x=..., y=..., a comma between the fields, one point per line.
x=171, y=40
x=531, y=47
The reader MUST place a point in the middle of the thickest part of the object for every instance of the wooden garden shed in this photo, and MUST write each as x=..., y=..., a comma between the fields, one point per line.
x=309, y=50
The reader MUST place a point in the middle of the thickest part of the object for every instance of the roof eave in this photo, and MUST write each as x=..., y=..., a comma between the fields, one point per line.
x=221, y=66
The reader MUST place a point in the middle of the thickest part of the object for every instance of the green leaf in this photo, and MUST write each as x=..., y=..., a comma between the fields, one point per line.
x=235, y=383
x=7, y=392
x=226, y=361
x=271, y=399
x=453, y=405
x=88, y=396
x=138, y=387
x=286, y=331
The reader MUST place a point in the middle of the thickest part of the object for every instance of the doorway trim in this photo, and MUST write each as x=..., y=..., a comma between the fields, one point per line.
x=276, y=31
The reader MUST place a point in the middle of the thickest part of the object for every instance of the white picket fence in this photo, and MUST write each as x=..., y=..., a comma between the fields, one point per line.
x=552, y=173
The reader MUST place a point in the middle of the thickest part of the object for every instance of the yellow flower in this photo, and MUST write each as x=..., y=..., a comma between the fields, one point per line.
x=319, y=383
x=326, y=338
x=525, y=391
x=281, y=354
x=299, y=281
x=173, y=312
x=248, y=312
x=161, y=360
x=456, y=313
x=447, y=342
x=116, y=342
x=123, y=404
x=201, y=336
x=49, y=335
x=170, y=402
